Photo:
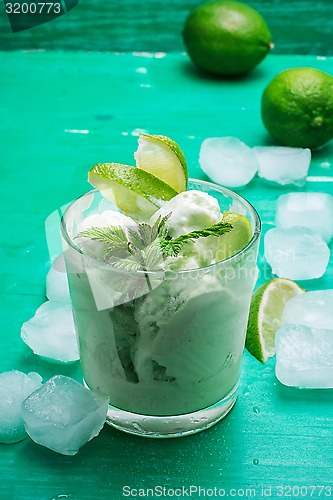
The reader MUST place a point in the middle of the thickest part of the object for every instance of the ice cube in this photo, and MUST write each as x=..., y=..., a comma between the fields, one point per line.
x=63, y=415
x=312, y=210
x=304, y=356
x=56, y=281
x=15, y=386
x=228, y=161
x=51, y=332
x=312, y=309
x=297, y=253
x=283, y=165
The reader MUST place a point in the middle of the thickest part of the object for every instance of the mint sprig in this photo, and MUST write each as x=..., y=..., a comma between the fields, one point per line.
x=173, y=247
x=146, y=246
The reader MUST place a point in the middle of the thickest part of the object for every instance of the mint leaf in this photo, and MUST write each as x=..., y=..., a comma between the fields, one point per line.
x=146, y=246
x=173, y=247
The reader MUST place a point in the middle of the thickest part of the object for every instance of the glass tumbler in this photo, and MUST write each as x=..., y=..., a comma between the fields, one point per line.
x=165, y=346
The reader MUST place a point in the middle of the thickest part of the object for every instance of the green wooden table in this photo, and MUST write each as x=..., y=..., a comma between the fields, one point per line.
x=63, y=112
x=297, y=26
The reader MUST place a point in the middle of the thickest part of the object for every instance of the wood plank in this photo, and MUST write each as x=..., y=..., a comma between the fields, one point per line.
x=274, y=436
x=298, y=26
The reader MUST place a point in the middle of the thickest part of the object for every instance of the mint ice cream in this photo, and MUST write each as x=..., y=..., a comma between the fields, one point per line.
x=191, y=210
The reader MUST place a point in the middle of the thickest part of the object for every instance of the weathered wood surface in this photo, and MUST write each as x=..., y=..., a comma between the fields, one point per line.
x=63, y=112
x=298, y=26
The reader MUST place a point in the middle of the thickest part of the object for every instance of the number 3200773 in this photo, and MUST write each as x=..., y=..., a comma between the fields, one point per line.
x=33, y=8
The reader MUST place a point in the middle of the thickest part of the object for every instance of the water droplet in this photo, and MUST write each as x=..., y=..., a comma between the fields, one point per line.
x=136, y=426
x=76, y=131
x=256, y=409
x=256, y=461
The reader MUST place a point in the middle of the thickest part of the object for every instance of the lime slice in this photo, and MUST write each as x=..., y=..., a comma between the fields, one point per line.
x=266, y=311
x=232, y=242
x=163, y=158
x=136, y=192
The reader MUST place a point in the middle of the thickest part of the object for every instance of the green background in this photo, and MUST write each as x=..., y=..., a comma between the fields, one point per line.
x=64, y=110
x=298, y=26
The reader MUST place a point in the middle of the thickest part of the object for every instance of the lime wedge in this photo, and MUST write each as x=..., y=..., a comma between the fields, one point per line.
x=136, y=192
x=162, y=157
x=232, y=242
x=266, y=311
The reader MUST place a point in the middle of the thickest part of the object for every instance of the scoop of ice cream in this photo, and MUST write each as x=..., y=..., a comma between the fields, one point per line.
x=180, y=302
x=191, y=210
x=103, y=219
x=180, y=263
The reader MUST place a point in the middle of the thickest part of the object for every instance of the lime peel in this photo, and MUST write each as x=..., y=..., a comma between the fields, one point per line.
x=297, y=107
x=162, y=157
x=134, y=191
x=226, y=37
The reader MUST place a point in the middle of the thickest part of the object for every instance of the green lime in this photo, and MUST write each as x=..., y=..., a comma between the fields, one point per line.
x=136, y=192
x=162, y=157
x=226, y=37
x=232, y=242
x=297, y=107
x=266, y=310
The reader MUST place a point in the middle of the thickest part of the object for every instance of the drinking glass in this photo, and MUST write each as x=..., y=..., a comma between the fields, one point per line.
x=165, y=346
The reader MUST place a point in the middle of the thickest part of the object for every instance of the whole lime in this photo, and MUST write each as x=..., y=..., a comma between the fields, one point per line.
x=297, y=107
x=226, y=37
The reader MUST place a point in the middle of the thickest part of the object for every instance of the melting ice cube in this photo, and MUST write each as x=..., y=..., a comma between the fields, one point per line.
x=228, y=161
x=51, y=332
x=312, y=210
x=63, y=415
x=15, y=386
x=283, y=165
x=312, y=309
x=297, y=253
x=304, y=356
x=56, y=281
